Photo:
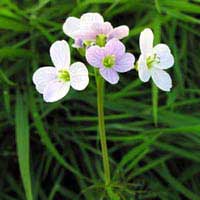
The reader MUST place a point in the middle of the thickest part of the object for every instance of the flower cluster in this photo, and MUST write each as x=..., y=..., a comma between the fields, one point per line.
x=103, y=50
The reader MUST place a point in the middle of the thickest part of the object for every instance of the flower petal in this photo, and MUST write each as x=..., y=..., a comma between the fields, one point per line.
x=90, y=33
x=78, y=43
x=71, y=25
x=94, y=56
x=166, y=58
x=162, y=79
x=88, y=19
x=86, y=34
x=143, y=71
x=109, y=75
x=125, y=63
x=56, y=90
x=78, y=76
x=115, y=47
x=60, y=54
x=146, y=41
x=102, y=28
x=43, y=76
x=119, y=32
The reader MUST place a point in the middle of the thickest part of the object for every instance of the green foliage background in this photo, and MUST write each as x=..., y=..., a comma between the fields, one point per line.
x=153, y=137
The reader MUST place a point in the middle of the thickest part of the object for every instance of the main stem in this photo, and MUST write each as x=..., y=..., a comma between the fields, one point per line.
x=101, y=122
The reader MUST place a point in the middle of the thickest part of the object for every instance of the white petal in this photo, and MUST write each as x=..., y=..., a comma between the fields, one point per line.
x=164, y=53
x=71, y=25
x=162, y=79
x=89, y=18
x=162, y=49
x=146, y=41
x=78, y=76
x=144, y=73
x=60, y=54
x=43, y=76
x=56, y=90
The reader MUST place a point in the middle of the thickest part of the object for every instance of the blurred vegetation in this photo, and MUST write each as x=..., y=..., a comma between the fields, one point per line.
x=153, y=137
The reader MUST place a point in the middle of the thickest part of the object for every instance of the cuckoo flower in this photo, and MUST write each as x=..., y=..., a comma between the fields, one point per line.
x=110, y=60
x=54, y=82
x=153, y=61
x=91, y=29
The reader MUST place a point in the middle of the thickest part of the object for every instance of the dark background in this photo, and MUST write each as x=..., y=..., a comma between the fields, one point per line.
x=153, y=136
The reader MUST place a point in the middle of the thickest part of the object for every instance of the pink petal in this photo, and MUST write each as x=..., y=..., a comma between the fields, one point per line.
x=109, y=75
x=94, y=56
x=102, y=28
x=86, y=34
x=119, y=32
x=115, y=47
x=125, y=63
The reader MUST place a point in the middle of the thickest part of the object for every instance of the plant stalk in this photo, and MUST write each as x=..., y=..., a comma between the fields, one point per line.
x=101, y=124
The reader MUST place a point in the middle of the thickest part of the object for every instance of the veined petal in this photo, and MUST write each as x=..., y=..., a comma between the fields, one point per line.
x=102, y=28
x=119, y=32
x=146, y=41
x=162, y=79
x=43, y=76
x=115, y=47
x=78, y=76
x=165, y=56
x=125, y=63
x=143, y=71
x=60, y=54
x=109, y=75
x=71, y=25
x=88, y=19
x=162, y=49
x=92, y=24
x=56, y=90
x=86, y=34
x=94, y=56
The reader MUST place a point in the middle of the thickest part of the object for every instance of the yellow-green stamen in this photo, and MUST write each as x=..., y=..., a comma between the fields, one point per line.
x=151, y=60
x=109, y=61
x=101, y=40
x=63, y=75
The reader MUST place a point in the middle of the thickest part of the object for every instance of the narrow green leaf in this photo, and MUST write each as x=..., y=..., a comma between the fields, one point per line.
x=177, y=185
x=47, y=141
x=22, y=140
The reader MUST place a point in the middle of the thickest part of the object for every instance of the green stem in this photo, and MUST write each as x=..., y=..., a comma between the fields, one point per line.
x=101, y=122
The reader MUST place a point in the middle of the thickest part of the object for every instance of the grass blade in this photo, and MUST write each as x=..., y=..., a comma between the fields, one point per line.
x=22, y=140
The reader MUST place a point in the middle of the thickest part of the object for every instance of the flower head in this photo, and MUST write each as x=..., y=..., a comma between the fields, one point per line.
x=110, y=60
x=91, y=29
x=54, y=82
x=153, y=61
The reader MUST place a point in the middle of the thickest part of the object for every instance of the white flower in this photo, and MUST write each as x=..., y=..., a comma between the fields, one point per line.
x=54, y=82
x=90, y=28
x=153, y=61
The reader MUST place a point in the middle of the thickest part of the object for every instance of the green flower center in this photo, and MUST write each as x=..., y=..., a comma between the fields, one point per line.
x=63, y=75
x=151, y=60
x=101, y=40
x=88, y=43
x=109, y=61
